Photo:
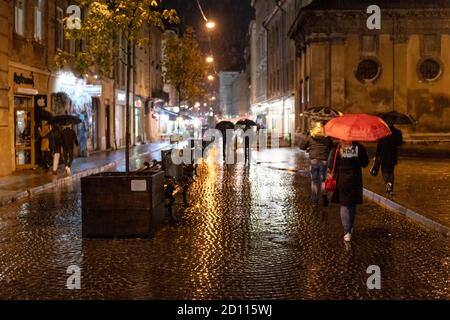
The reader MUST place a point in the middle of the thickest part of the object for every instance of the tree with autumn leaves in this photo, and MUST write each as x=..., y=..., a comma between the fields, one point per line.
x=104, y=23
x=184, y=67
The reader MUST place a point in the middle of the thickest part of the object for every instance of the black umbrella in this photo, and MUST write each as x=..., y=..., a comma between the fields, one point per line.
x=224, y=125
x=394, y=117
x=246, y=123
x=66, y=119
x=321, y=113
x=43, y=115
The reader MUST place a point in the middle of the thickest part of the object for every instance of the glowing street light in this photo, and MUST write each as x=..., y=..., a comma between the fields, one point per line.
x=210, y=25
x=210, y=78
x=209, y=59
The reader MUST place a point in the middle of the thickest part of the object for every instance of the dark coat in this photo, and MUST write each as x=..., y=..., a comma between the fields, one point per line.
x=387, y=148
x=55, y=140
x=69, y=138
x=318, y=148
x=348, y=174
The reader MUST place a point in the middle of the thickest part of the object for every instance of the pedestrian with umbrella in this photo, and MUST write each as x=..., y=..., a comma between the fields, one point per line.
x=246, y=124
x=347, y=159
x=68, y=137
x=223, y=126
x=318, y=146
x=55, y=146
x=386, y=155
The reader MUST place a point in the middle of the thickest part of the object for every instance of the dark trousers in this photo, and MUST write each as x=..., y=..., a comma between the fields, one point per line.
x=247, y=151
x=388, y=173
x=45, y=159
x=68, y=156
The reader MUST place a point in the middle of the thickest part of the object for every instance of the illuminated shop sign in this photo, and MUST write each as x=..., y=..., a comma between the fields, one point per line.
x=21, y=79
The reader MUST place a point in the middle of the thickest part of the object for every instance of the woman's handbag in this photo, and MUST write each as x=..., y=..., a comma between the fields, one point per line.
x=376, y=167
x=330, y=182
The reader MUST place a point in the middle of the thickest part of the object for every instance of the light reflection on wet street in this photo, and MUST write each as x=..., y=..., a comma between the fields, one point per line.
x=249, y=233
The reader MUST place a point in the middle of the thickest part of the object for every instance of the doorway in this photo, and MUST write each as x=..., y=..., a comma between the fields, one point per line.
x=24, y=132
x=95, y=123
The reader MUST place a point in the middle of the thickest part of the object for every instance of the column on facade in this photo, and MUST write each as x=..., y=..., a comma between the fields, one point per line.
x=5, y=124
x=318, y=48
x=337, y=71
x=400, y=69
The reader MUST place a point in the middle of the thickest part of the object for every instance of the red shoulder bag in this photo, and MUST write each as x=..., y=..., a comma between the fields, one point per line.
x=330, y=182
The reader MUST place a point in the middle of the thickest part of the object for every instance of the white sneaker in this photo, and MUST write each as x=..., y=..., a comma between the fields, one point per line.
x=348, y=237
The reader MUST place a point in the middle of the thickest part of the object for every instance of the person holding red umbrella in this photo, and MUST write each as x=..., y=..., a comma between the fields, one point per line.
x=345, y=162
x=347, y=159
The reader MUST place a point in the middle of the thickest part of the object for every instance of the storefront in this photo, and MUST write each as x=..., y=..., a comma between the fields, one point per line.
x=28, y=94
x=73, y=95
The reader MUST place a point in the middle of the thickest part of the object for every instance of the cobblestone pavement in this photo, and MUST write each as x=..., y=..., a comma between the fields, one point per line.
x=249, y=233
x=427, y=179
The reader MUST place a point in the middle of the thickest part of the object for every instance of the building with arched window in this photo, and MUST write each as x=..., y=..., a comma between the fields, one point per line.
x=404, y=66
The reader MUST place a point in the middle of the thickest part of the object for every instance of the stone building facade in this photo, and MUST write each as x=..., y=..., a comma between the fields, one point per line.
x=404, y=66
x=275, y=74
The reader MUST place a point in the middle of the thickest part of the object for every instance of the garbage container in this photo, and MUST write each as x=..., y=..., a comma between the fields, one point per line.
x=116, y=204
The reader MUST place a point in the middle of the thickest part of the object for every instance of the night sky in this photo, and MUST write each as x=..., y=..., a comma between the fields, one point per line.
x=228, y=40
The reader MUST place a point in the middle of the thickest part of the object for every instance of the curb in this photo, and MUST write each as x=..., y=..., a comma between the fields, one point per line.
x=64, y=180
x=397, y=208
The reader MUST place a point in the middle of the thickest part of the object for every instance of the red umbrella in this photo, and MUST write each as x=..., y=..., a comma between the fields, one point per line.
x=357, y=127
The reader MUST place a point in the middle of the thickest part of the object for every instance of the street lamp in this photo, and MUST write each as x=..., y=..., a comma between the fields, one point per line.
x=210, y=25
x=210, y=78
x=209, y=59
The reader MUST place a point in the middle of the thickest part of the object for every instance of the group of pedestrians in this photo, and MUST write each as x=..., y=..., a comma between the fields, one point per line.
x=343, y=161
x=56, y=142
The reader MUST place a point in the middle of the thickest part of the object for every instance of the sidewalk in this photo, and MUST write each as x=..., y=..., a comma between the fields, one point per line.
x=422, y=190
x=421, y=185
x=24, y=183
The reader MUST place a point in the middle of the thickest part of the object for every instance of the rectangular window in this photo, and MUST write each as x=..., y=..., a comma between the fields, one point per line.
x=72, y=45
x=19, y=17
x=38, y=8
x=59, y=29
x=431, y=44
x=302, y=92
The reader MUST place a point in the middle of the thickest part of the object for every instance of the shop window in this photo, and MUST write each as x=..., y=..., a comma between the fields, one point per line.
x=429, y=69
x=19, y=17
x=38, y=8
x=368, y=70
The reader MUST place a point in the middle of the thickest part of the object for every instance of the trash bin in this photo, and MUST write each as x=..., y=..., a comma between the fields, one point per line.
x=116, y=204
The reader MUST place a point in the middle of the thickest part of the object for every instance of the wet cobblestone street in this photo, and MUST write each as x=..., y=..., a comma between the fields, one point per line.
x=250, y=233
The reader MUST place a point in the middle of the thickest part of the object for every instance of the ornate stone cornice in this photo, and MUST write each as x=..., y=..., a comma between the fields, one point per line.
x=399, y=23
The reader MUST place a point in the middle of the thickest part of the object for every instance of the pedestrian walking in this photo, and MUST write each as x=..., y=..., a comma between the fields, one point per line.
x=345, y=161
x=55, y=146
x=69, y=140
x=386, y=157
x=318, y=146
x=44, y=133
